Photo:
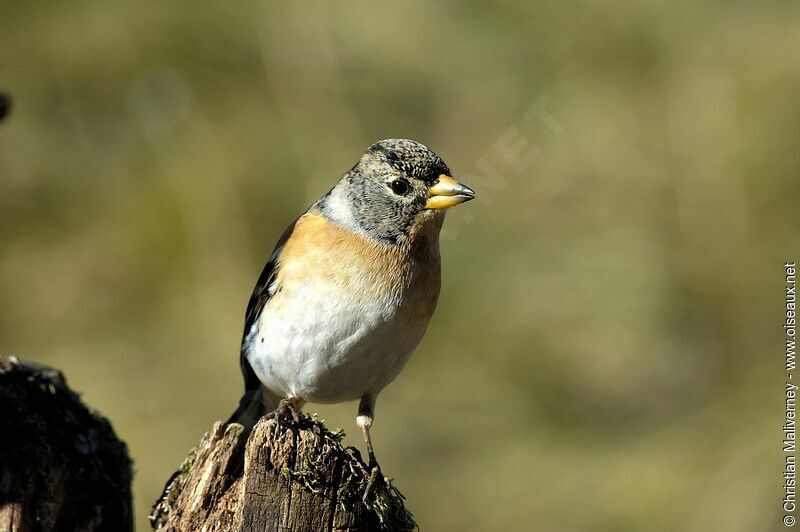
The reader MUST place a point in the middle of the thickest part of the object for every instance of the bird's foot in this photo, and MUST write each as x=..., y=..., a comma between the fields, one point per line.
x=287, y=411
x=375, y=475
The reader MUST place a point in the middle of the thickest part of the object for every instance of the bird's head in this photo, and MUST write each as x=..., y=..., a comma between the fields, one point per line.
x=396, y=186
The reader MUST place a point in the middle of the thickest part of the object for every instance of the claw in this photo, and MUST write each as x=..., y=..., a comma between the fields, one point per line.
x=287, y=410
x=374, y=475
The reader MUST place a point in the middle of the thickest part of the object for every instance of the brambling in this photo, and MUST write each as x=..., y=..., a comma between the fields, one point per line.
x=349, y=290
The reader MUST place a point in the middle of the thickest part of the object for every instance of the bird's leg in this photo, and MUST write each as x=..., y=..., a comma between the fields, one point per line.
x=366, y=413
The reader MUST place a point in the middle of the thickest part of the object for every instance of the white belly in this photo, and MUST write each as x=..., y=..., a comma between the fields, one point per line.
x=326, y=346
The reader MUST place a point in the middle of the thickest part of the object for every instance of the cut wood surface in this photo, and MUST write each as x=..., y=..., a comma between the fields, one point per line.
x=289, y=473
x=62, y=468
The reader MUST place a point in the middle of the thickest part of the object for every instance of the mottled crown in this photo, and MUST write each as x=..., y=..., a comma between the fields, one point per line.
x=410, y=157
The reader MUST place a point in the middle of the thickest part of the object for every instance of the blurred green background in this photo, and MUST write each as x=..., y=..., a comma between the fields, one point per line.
x=607, y=352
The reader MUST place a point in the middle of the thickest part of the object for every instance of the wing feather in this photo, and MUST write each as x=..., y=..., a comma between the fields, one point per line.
x=261, y=294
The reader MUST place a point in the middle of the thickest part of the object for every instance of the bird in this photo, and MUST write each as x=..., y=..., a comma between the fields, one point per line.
x=349, y=290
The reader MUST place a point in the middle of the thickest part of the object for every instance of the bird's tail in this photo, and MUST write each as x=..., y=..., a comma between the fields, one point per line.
x=253, y=404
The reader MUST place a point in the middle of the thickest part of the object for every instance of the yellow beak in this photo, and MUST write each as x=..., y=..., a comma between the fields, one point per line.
x=447, y=192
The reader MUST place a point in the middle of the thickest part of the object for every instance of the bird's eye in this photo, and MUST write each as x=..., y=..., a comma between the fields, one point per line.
x=400, y=186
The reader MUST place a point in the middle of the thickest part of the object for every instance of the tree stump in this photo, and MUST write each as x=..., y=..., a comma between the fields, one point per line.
x=289, y=473
x=62, y=468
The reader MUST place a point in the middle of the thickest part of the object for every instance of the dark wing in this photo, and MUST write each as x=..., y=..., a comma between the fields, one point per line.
x=261, y=294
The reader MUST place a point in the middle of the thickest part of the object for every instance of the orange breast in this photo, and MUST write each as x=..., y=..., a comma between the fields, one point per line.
x=322, y=252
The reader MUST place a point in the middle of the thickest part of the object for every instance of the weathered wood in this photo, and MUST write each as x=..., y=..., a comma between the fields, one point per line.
x=62, y=468
x=291, y=473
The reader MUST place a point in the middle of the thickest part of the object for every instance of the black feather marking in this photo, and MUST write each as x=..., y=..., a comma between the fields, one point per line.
x=411, y=158
x=261, y=294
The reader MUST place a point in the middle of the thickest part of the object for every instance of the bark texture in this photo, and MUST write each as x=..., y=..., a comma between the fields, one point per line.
x=289, y=473
x=61, y=465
